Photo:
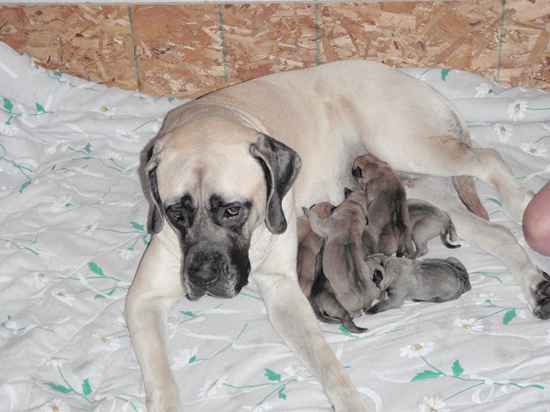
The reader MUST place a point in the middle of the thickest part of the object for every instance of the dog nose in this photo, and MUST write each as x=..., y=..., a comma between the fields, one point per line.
x=356, y=172
x=205, y=267
x=204, y=277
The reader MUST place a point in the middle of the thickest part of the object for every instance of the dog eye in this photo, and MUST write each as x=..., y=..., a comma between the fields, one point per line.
x=175, y=214
x=231, y=211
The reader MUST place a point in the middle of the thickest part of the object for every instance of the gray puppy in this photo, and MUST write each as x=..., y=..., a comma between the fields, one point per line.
x=428, y=221
x=427, y=280
x=326, y=306
x=343, y=260
x=387, y=202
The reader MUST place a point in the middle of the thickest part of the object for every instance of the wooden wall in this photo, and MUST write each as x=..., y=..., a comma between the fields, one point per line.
x=187, y=50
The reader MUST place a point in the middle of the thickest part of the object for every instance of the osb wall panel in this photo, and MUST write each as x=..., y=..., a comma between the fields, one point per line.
x=188, y=50
x=91, y=42
x=179, y=49
x=261, y=39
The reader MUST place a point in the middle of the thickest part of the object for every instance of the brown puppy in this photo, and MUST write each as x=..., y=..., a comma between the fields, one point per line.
x=427, y=222
x=343, y=258
x=387, y=203
x=309, y=248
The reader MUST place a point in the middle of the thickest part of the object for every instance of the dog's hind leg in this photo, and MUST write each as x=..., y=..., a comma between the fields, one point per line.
x=500, y=242
x=448, y=156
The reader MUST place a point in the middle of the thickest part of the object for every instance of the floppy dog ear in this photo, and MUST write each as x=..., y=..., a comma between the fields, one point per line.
x=157, y=213
x=281, y=166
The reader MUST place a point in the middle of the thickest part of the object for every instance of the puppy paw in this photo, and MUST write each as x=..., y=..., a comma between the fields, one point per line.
x=541, y=294
x=353, y=328
x=374, y=309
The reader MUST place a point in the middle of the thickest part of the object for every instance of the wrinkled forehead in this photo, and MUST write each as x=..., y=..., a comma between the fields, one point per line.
x=228, y=171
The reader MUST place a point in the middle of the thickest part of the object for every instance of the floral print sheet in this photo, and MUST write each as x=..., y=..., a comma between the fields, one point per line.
x=73, y=227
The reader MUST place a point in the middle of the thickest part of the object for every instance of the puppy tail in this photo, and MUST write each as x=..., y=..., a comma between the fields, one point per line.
x=449, y=235
x=466, y=190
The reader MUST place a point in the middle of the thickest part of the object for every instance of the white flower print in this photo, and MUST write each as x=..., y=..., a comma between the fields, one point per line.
x=517, y=110
x=483, y=90
x=127, y=134
x=417, y=350
x=112, y=343
x=470, y=325
x=40, y=279
x=57, y=405
x=298, y=372
x=59, y=204
x=533, y=149
x=127, y=254
x=433, y=404
x=63, y=296
x=504, y=132
x=13, y=326
x=89, y=229
x=8, y=129
x=114, y=155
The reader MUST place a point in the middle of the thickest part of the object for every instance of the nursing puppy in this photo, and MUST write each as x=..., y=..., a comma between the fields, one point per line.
x=427, y=280
x=309, y=248
x=343, y=258
x=327, y=308
x=427, y=222
x=387, y=201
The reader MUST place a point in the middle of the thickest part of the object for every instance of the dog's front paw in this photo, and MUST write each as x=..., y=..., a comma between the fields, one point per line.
x=541, y=294
x=163, y=400
x=349, y=403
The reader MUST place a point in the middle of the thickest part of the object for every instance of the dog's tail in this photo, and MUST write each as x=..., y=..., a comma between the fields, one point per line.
x=466, y=190
x=464, y=185
x=449, y=235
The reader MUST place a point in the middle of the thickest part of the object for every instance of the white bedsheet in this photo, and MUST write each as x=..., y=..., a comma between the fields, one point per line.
x=72, y=231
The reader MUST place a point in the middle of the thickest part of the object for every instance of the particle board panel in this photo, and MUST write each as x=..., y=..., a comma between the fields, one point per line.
x=178, y=49
x=191, y=49
x=92, y=42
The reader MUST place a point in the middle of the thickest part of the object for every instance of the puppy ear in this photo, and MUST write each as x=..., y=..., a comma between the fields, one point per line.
x=157, y=212
x=347, y=192
x=281, y=166
x=306, y=211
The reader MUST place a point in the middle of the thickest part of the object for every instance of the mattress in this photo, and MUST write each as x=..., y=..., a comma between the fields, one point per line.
x=73, y=228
